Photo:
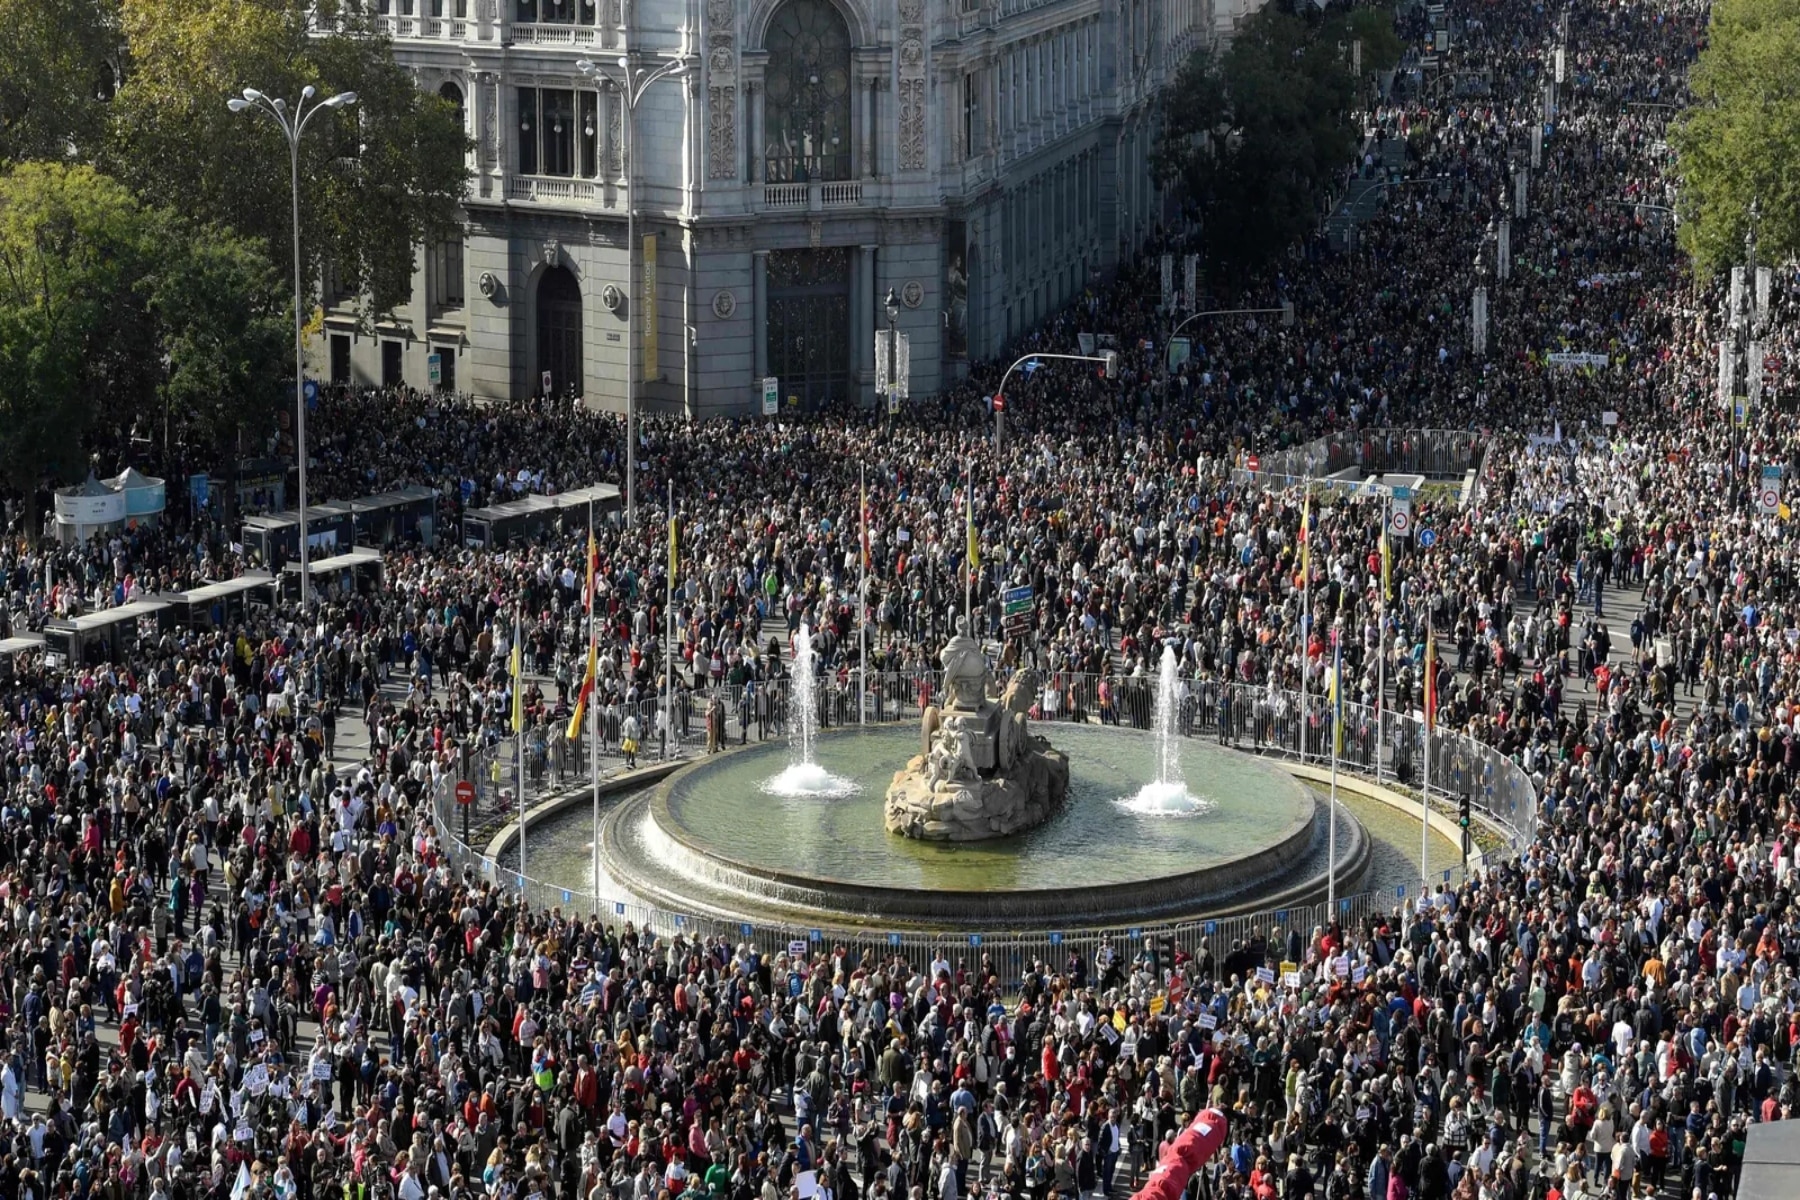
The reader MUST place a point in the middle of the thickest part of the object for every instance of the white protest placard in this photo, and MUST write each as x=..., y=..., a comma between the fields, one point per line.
x=321, y=1069
x=808, y=1183
x=1208, y=1021
x=1291, y=980
x=1265, y=975
x=244, y=1133
x=1340, y=967
x=1358, y=973
x=256, y=1080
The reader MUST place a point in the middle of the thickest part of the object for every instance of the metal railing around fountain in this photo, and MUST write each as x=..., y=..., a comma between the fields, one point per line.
x=1388, y=748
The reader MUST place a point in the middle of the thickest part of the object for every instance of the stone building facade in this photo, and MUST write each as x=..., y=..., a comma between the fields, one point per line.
x=980, y=158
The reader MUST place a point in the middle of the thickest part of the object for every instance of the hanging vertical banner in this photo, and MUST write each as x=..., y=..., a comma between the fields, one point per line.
x=1537, y=146
x=1737, y=294
x=1764, y=277
x=1561, y=65
x=1503, y=250
x=1190, y=281
x=1725, y=380
x=1400, y=520
x=1753, y=372
x=1478, y=317
x=1356, y=57
x=1522, y=193
x=1168, y=280
x=647, y=310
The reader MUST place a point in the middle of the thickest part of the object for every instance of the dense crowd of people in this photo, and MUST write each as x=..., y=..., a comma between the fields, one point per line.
x=241, y=963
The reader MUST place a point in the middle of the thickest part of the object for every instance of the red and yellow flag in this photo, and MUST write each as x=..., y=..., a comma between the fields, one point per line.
x=593, y=658
x=1430, y=679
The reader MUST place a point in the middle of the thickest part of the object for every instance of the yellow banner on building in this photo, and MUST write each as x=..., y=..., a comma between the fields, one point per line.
x=647, y=310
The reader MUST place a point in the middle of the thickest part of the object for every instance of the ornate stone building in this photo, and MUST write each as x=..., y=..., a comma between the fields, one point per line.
x=982, y=158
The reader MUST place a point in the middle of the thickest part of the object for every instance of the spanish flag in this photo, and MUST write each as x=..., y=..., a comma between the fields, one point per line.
x=1430, y=679
x=674, y=553
x=593, y=659
x=863, y=490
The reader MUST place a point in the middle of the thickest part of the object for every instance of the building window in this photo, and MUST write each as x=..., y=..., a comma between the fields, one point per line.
x=447, y=273
x=340, y=358
x=453, y=94
x=392, y=374
x=806, y=102
x=555, y=12
x=550, y=134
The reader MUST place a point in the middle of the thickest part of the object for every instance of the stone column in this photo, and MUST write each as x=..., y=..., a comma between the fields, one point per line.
x=759, y=303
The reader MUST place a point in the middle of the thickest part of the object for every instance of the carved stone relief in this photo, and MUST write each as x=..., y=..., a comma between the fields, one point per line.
x=911, y=86
x=721, y=89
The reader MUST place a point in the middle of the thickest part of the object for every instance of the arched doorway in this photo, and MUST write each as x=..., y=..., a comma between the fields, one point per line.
x=559, y=332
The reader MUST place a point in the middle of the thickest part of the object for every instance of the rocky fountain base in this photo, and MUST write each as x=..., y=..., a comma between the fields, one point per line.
x=979, y=772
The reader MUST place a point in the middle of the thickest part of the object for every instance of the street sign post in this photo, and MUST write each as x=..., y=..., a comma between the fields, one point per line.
x=771, y=395
x=465, y=800
x=1017, y=605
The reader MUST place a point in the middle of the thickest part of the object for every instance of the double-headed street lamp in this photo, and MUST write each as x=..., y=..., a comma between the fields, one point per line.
x=631, y=84
x=293, y=124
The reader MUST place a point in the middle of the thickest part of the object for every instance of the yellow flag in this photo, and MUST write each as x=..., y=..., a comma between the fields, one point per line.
x=1387, y=566
x=518, y=687
x=974, y=542
x=674, y=540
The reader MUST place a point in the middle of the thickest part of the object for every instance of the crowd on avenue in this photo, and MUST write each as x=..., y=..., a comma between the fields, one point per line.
x=238, y=961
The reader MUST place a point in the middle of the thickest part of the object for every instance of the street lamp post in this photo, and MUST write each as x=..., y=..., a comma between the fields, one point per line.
x=631, y=85
x=1110, y=358
x=1286, y=310
x=292, y=126
x=893, y=352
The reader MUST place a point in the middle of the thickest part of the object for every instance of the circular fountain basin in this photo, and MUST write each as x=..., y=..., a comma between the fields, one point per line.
x=711, y=839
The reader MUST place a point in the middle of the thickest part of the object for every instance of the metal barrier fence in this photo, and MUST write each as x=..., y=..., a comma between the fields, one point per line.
x=1388, y=747
x=1437, y=453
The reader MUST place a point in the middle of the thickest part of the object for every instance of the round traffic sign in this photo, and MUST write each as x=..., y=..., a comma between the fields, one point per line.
x=1427, y=538
x=1402, y=522
x=999, y=402
x=1770, y=499
x=1253, y=463
x=465, y=792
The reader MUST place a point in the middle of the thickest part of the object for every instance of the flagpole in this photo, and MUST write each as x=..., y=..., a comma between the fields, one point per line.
x=1305, y=604
x=1430, y=720
x=593, y=715
x=519, y=721
x=669, y=654
x=1337, y=733
x=862, y=596
x=1381, y=640
x=968, y=565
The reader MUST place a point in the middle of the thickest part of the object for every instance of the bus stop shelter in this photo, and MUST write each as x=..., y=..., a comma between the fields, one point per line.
x=356, y=571
x=109, y=635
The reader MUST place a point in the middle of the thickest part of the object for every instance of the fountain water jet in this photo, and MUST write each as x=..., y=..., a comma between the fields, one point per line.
x=804, y=776
x=1168, y=794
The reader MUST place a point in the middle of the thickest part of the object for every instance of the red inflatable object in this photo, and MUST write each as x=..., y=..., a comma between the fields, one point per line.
x=1179, y=1159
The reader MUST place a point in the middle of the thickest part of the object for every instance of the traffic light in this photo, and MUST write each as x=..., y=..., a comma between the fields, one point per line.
x=1464, y=813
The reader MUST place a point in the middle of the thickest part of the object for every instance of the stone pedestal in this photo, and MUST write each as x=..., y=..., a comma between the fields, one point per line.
x=979, y=773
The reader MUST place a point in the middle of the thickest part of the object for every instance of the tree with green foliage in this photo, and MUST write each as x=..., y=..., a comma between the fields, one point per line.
x=224, y=320
x=377, y=179
x=1738, y=142
x=111, y=310
x=74, y=248
x=1253, y=137
x=56, y=72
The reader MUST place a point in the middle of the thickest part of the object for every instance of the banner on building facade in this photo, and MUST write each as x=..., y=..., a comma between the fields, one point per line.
x=647, y=310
